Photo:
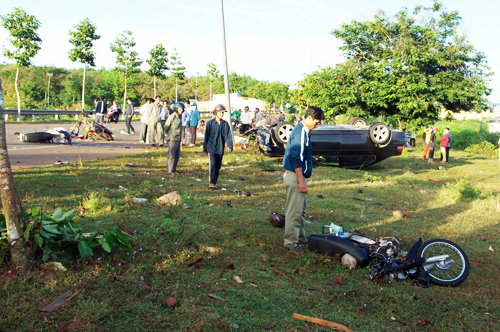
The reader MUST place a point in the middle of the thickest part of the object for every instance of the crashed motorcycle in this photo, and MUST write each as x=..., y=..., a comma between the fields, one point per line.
x=437, y=261
x=91, y=130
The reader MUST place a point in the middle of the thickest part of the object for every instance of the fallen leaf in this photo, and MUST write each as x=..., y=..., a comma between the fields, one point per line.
x=53, y=266
x=238, y=280
x=113, y=278
x=435, y=180
x=279, y=272
x=322, y=322
x=184, y=206
x=339, y=281
x=216, y=298
x=197, y=263
x=9, y=274
x=438, y=300
x=47, y=277
x=491, y=249
x=228, y=266
x=265, y=327
x=170, y=301
x=424, y=323
x=350, y=293
x=60, y=301
x=108, y=208
x=253, y=285
x=399, y=321
x=312, y=288
x=235, y=326
x=144, y=285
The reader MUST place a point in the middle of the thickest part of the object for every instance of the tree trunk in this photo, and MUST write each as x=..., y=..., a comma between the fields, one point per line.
x=11, y=203
x=83, y=88
x=176, y=89
x=125, y=94
x=18, y=96
x=154, y=84
x=400, y=124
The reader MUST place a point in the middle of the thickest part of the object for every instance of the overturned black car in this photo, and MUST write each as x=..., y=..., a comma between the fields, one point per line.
x=349, y=146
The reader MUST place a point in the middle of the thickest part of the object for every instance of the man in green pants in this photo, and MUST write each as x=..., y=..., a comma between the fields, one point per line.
x=298, y=166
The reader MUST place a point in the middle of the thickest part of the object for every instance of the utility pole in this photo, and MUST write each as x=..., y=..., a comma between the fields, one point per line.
x=227, y=115
x=48, y=89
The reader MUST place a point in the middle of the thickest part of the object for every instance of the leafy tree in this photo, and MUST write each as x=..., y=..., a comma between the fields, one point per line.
x=177, y=69
x=213, y=74
x=127, y=60
x=82, y=39
x=25, y=40
x=157, y=64
x=406, y=68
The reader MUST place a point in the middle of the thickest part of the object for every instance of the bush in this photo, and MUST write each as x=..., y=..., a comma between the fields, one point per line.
x=484, y=149
x=460, y=189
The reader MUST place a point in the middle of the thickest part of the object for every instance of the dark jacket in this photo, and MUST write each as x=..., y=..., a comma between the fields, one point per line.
x=292, y=158
x=173, y=127
x=104, y=109
x=432, y=141
x=130, y=110
x=216, y=135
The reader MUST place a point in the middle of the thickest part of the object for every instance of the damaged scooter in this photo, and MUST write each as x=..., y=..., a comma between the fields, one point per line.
x=438, y=261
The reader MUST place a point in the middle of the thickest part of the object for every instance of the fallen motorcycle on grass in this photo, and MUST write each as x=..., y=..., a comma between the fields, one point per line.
x=438, y=261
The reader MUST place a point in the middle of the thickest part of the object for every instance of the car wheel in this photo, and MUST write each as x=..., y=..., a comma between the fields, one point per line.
x=283, y=132
x=380, y=133
x=358, y=121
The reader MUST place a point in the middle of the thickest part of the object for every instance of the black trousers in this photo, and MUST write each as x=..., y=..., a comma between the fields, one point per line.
x=214, y=165
x=431, y=153
x=447, y=154
x=412, y=142
x=244, y=128
x=174, y=152
x=192, y=130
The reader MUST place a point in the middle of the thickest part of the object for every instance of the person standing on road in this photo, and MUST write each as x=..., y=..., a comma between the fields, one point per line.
x=100, y=110
x=443, y=144
x=129, y=113
x=246, y=120
x=298, y=166
x=144, y=119
x=193, y=123
x=217, y=134
x=432, y=143
x=154, y=124
x=173, y=131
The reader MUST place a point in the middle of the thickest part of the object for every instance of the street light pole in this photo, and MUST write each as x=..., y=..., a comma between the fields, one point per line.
x=227, y=115
x=312, y=34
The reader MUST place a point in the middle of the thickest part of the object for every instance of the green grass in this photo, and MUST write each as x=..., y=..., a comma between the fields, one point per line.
x=167, y=239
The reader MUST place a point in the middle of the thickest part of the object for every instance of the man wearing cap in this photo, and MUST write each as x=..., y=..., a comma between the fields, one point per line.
x=217, y=134
x=193, y=123
x=172, y=128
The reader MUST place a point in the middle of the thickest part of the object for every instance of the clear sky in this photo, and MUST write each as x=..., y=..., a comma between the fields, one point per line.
x=265, y=39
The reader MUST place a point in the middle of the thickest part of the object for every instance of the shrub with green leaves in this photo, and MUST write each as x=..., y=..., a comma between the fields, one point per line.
x=55, y=238
x=484, y=149
x=460, y=189
x=371, y=178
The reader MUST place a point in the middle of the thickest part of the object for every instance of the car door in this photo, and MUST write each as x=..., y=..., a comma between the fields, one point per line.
x=325, y=141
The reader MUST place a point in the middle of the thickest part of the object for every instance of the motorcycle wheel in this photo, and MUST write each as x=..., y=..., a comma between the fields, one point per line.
x=451, y=272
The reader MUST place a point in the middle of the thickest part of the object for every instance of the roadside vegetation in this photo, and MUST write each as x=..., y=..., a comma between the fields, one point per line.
x=134, y=290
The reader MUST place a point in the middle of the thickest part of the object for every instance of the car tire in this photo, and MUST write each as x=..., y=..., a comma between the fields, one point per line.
x=380, y=134
x=283, y=131
x=358, y=121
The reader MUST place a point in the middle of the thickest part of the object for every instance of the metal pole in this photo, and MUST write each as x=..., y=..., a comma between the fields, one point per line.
x=227, y=115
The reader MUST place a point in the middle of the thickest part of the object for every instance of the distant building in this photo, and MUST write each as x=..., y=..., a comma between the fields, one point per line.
x=493, y=111
x=237, y=102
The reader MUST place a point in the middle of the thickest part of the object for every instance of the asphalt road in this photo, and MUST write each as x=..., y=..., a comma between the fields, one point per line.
x=25, y=155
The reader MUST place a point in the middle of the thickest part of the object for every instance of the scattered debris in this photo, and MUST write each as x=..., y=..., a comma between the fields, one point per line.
x=427, y=191
x=60, y=163
x=398, y=214
x=60, y=301
x=171, y=198
x=340, y=280
x=424, y=323
x=229, y=206
x=349, y=262
x=170, y=301
x=238, y=280
x=184, y=206
x=253, y=285
x=53, y=266
x=9, y=274
x=399, y=321
x=129, y=165
x=491, y=249
x=438, y=300
x=431, y=180
x=241, y=178
x=279, y=272
x=211, y=250
x=140, y=200
x=320, y=197
x=144, y=285
x=228, y=266
x=197, y=264
x=265, y=327
x=360, y=191
x=322, y=322
x=216, y=298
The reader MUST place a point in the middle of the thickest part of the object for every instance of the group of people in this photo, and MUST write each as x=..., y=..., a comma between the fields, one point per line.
x=429, y=137
x=154, y=118
x=102, y=111
x=247, y=117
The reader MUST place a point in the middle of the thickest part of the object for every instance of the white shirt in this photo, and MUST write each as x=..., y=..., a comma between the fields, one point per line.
x=246, y=117
x=144, y=117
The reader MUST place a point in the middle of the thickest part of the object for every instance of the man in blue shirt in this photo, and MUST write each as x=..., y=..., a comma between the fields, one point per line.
x=298, y=166
x=100, y=110
x=217, y=133
x=193, y=123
